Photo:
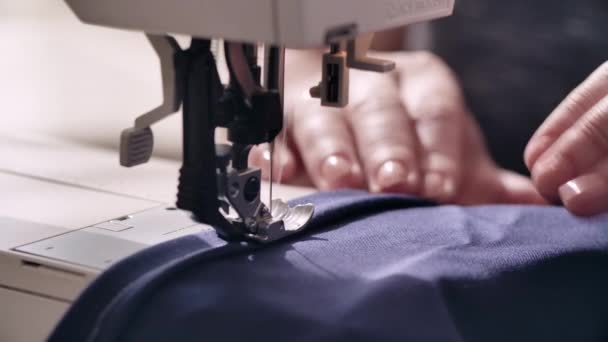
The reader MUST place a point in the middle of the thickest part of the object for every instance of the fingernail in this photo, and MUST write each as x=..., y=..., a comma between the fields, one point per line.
x=579, y=186
x=336, y=171
x=585, y=195
x=392, y=176
x=569, y=191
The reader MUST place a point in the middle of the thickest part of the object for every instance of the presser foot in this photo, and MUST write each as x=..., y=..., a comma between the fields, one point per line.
x=281, y=222
x=240, y=198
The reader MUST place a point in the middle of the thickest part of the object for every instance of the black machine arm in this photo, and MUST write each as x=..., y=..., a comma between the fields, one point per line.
x=217, y=178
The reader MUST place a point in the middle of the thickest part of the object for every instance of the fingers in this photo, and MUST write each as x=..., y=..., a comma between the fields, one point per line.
x=384, y=136
x=489, y=184
x=587, y=194
x=575, y=153
x=432, y=97
x=326, y=146
x=518, y=189
x=579, y=102
x=284, y=165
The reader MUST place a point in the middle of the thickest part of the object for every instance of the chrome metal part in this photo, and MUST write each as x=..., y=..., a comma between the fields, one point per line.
x=282, y=221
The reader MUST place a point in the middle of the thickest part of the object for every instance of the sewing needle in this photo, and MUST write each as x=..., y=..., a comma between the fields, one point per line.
x=271, y=174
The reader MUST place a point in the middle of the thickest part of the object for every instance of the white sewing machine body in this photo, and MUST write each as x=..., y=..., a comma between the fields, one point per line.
x=61, y=225
x=289, y=23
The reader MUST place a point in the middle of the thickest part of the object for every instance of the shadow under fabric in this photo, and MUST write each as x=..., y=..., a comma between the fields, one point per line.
x=369, y=268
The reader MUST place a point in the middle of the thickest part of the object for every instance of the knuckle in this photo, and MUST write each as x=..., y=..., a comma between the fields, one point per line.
x=394, y=140
x=595, y=130
x=379, y=131
x=439, y=111
x=383, y=87
x=384, y=107
x=579, y=100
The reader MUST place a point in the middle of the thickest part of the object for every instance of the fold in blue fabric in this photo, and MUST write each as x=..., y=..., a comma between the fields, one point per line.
x=368, y=268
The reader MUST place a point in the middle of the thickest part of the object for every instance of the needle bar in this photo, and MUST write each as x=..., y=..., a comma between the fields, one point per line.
x=274, y=70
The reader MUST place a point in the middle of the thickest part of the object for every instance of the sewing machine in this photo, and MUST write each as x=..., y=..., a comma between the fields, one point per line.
x=216, y=178
x=44, y=266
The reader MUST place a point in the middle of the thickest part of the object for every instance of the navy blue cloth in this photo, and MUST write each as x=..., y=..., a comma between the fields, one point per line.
x=369, y=268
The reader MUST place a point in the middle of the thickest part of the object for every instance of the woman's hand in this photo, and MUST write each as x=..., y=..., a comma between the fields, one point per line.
x=408, y=132
x=568, y=155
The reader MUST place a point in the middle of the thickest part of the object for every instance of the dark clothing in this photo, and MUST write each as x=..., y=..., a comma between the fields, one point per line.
x=369, y=268
x=518, y=59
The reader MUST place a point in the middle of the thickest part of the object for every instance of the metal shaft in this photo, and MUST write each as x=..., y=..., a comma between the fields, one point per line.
x=274, y=80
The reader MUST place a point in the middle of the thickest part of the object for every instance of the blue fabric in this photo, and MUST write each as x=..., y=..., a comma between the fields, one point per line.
x=370, y=268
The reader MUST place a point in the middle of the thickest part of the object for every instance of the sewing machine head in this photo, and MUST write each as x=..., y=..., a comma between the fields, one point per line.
x=289, y=23
x=216, y=179
x=345, y=25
